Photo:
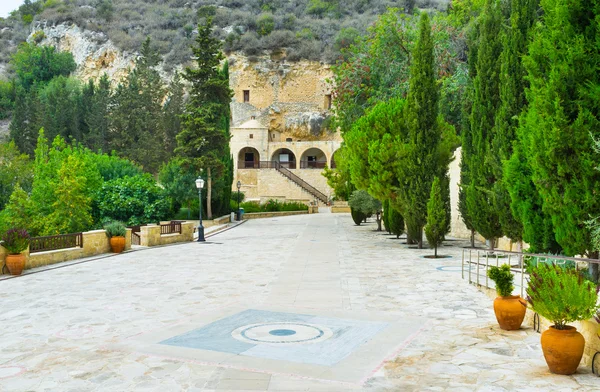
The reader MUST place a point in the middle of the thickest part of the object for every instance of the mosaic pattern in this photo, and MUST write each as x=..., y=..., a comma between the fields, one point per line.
x=282, y=336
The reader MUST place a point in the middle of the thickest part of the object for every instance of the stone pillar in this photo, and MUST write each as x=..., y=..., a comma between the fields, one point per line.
x=95, y=242
x=128, y=239
x=187, y=231
x=150, y=235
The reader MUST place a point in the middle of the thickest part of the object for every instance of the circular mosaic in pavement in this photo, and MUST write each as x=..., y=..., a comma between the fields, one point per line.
x=282, y=333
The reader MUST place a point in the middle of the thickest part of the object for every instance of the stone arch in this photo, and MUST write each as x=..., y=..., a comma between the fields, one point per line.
x=313, y=158
x=285, y=157
x=248, y=158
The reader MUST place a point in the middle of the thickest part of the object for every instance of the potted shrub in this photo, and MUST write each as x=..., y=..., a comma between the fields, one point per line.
x=15, y=241
x=562, y=296
x=116, y=231
x=510, y=309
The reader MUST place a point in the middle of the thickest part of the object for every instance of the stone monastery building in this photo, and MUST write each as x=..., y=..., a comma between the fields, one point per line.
x=279, y=142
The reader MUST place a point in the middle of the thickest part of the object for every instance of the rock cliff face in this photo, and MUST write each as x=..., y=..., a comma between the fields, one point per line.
x=93, y=52
x=290, y=98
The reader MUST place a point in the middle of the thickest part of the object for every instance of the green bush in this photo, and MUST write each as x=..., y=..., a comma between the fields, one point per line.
x=503, y=279
x=251, y=206
x=562, y=295
x=357, y=216
x=134, y=200
x=115, y=229
x=15, y=241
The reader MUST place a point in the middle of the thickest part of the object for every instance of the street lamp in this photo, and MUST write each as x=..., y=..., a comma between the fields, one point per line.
x=239, y=185
x=200, y=185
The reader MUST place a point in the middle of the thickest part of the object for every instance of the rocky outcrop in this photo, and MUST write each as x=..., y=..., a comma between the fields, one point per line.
x=292, y=98
x=93, y=52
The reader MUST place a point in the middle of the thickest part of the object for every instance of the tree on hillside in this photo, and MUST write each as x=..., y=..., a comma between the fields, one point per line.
x=97, y=115
x=437, y=224
x=203, y=142
x=561, y=121
x=486, y=99
x=173, y=110
x=427, y=150
x=136, y=123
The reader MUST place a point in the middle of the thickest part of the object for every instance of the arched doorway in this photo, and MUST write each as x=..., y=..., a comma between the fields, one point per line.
x=313, y=158
x=248, y=158
x=285, y=158
x=333, y=164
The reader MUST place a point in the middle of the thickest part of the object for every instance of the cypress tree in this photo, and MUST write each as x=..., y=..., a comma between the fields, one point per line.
x=97, y=118
x=203, y=141
x=437, y=220
x=386, y=216
x=426, y=154
x=396, y=222
x=561, y=121
x=479, y=198
x=512, y=101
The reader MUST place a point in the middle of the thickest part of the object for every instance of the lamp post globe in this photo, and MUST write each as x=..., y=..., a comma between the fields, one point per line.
x=239, y=185
x=199, y=186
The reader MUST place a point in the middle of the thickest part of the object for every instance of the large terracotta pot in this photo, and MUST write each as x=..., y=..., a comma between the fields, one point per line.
x=15, y=263
x=510, y=311
x=563, y=349
x=117, y=244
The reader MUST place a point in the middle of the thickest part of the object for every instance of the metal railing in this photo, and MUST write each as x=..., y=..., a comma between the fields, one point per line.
x=265, y=165
x=174, y=227
x=56, y=242
x=312, y=165
x=303, y=184
x=476, y=262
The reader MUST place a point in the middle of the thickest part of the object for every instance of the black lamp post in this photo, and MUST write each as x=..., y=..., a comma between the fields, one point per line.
x=239, y=185
x=200, y=185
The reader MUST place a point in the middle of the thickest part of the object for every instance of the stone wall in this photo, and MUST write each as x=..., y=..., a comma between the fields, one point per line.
x=267, y=184
x=340, y=207
x=150, y=235
x=94, y=243
x=262, y=215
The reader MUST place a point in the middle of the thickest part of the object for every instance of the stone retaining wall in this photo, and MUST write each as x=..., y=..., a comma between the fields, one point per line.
x=340, y=207
x=94, y=243
x=261, y=215
x=150, y=235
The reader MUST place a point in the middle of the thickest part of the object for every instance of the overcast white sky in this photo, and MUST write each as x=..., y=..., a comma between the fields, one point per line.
x=6, y=6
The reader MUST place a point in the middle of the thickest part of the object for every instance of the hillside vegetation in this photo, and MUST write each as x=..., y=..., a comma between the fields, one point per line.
x=307, y=29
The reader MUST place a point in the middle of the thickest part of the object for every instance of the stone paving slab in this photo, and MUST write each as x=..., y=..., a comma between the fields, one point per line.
x=65, y=329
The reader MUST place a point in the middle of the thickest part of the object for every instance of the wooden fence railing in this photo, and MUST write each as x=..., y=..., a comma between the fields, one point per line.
x=174, y=227
x=56, y=242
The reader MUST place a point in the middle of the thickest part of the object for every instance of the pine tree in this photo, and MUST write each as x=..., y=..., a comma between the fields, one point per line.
x=172, y=112
x=386, y=216
x=97, y=118
x=437, y=220
x=136, y=126
x=561, y=121
x=203, y=142
x=479, y=198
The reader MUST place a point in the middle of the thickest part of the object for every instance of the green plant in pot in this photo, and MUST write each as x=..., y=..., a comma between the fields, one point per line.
x=116, y=232
x=509, y=309
x=15, y=241
x=562, y=295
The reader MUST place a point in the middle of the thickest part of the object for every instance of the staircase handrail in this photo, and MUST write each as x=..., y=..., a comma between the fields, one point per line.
x=320, y=195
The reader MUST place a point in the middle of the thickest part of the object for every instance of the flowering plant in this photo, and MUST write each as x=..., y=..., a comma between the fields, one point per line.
x=15, y=241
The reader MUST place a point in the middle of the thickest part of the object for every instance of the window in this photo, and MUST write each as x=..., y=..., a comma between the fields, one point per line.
x=251, y=136
x=246, y=96
x=289, y=139
x=328, y=101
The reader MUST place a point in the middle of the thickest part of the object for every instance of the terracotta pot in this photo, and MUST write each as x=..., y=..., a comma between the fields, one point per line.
x=15, y=263
x=563, y=349
x=117, y=244
x=510, y=311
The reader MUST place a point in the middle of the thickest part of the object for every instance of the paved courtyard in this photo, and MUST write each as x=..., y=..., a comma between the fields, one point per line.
x=304, y=303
